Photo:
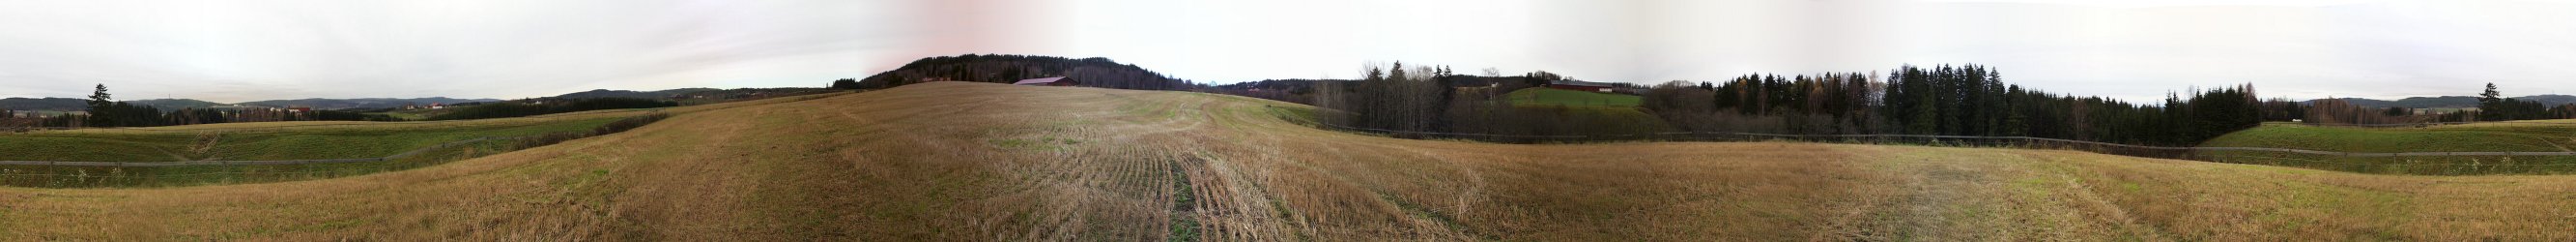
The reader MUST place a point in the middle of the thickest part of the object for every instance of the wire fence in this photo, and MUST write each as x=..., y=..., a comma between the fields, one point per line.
x=2439, y=163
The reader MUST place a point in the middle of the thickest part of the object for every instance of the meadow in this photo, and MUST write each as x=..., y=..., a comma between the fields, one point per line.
x=1562, y=97
x=428, y=143
x=267, y=141
x=972, y=161
x=2523, y=136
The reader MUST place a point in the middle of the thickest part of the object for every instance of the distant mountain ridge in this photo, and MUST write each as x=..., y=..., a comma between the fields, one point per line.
x=44, y=104
x=168, y=104
x=351, y=103
x=2449, y=101
x=600, y=93
x=77, y=104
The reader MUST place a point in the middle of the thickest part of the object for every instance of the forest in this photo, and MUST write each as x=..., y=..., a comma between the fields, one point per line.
x=1969, y=100
x=1964, y=100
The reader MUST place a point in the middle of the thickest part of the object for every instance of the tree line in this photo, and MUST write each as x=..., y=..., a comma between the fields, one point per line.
x=104, y=111
x=1431, y=98
x=1968, y=100
x=2493, y=106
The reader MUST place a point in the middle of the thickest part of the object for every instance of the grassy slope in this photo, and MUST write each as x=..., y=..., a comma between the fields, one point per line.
x=1552, y=96
x=2544, y=136
x=1599, y=113
x=2536, y=136
x=967, y=161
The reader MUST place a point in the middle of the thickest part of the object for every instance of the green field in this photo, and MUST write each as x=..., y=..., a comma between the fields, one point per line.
x=2473, y=137
x=266, y=141
x=347, y=141
x=415, y=114
x=2525, y=136
x=1550, y=96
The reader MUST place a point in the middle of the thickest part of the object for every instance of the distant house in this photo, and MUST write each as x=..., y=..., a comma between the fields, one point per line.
x=1050, y=81
x=1579, y=85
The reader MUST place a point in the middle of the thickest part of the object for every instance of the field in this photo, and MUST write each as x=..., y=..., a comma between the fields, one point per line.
x=1589, y=112
x=326, y=140
x=971, y=161
x=1551, y=96
x=2528, y=136
x=415, y=114
x=435, y=143
x=2533, y=136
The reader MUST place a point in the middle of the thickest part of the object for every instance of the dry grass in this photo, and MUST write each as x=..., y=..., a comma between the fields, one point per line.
x=965, y=161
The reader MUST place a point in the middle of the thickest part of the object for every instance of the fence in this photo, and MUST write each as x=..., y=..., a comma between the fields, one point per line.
x=2214, y=154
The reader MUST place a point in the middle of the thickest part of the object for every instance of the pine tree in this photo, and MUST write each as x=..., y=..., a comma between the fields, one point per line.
x=2491, y=104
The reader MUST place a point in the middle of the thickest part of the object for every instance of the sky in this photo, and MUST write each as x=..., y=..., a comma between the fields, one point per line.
x=235, y=51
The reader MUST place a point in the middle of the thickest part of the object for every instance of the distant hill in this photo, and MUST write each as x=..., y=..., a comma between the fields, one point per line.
x=44, y=104
x=169, y=104
x=2449, y=101
x=1089, y=72
x=600, y=93
x=327, y=103
x=2551, y=99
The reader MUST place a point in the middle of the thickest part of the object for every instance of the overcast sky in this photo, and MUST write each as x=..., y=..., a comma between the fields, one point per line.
x=233, y=51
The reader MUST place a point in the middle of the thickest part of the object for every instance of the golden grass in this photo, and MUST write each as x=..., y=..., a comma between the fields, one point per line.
x=967, y=161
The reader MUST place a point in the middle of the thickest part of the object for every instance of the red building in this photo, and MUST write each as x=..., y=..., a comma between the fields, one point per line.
x=1579, y=85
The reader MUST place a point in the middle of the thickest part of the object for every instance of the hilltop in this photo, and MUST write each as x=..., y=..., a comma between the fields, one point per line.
x=599, y=93
x=75, y=104
x=971, y=161
x=1089, y=72
x=174, y=104
x=44, y=104
x=2449, y=101
x=361, y=103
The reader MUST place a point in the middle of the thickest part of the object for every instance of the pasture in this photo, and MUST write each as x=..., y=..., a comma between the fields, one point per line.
x=973, y=161
x=1548, y=96
x=2522, y=136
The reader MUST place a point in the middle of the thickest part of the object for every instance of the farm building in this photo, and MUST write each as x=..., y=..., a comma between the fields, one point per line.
x=1050, y=81
x=1579, y=85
